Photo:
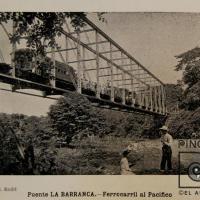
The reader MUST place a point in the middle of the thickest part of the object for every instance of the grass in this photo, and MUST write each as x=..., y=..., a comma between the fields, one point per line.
x=102, y=156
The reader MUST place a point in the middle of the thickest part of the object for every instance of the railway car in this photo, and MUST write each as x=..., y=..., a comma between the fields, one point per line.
x=30, y=67
x=105, y=92
x=128, y=97
x=39, y=68
x=89, y=87
x=64, y=75
x=118, y=95
x=142, y=101
x=5, y=69
x=137, y=99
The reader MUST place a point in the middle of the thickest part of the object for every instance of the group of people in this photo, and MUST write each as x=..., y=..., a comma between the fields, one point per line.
x=166, y=141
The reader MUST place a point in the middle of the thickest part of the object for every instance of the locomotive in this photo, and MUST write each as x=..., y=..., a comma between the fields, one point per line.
x=38, y=68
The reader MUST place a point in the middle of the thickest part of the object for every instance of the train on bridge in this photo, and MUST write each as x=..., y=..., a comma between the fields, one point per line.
x=38, y=68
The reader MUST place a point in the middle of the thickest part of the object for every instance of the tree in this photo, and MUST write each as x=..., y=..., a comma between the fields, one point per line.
x=73, y=115
x=174, y=95
x=37, y=131
x=10, y=160
x=192, y=97
x=42, y=27
x=189, y=62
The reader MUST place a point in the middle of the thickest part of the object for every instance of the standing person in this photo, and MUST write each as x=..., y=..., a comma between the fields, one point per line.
x=124, y=165
x=166, y=140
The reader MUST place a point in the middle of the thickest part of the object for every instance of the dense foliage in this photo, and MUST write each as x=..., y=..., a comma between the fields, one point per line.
x=174, y=96
x=186, y=124
x=40, y=27
x=192, y=97
x=189, y=62
x=70, y=121
x=9, y=156
x=25, y=131
x=73, y=116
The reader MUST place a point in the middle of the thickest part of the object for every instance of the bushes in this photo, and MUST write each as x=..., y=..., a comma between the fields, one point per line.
x=189, y=63
x=46, y=161
x=35, y=129
x=174, y=96
x=73, y=115
x=69, y=121
x=10, y=160
x=191, y=100
x=186, y=123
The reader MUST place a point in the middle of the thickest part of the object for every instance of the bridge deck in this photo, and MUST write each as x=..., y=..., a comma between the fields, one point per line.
x=98, y=102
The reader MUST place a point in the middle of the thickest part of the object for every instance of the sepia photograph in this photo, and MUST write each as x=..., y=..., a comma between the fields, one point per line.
x=100, y=93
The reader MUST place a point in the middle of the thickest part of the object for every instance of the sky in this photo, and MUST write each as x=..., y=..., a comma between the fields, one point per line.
x=154, y=39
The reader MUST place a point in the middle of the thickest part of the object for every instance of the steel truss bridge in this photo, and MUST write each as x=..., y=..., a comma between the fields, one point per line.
x=100, y=60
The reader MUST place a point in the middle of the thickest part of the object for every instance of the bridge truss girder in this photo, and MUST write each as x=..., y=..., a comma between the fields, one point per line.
x=105, y=61
x=120, y=65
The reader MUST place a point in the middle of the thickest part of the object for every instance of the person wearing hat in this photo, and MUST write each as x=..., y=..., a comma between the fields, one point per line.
x=166, y=140
x=124, y=165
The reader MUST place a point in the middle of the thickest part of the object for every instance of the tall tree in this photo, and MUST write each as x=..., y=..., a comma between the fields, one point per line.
x=73, y=115
x=189, y=63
